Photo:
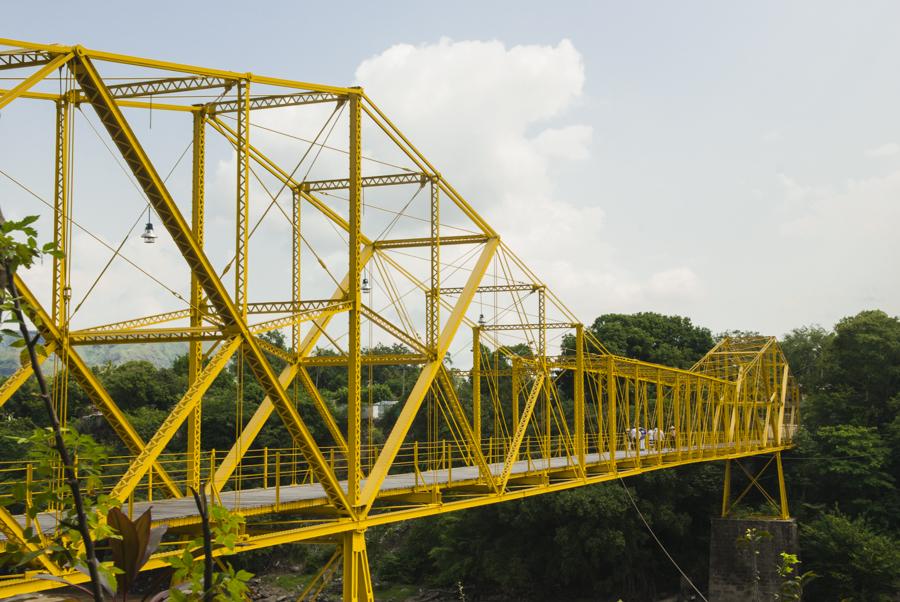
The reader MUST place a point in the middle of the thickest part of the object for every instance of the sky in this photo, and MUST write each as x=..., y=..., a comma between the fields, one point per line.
x=736, y=163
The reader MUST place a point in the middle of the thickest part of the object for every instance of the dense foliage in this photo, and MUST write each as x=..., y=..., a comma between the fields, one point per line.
x=590, y=542
x=841, y=476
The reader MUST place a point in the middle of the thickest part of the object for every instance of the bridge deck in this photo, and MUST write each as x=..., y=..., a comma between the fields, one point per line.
x=183, y=511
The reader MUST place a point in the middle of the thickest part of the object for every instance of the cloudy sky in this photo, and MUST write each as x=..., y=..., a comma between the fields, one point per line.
x=738, y=163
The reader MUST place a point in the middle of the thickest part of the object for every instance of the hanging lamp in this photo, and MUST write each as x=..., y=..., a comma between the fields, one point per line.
x=149, y=235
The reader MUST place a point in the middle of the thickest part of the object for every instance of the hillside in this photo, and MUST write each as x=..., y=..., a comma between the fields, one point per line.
x=160, y=355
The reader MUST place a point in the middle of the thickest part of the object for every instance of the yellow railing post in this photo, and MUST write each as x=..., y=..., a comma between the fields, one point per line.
x=416, y=461
x=277, y=481
x=528, y=451
x=29, y=475
x=265, y=467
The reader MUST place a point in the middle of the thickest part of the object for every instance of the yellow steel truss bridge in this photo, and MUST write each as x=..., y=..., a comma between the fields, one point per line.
x=323, y=184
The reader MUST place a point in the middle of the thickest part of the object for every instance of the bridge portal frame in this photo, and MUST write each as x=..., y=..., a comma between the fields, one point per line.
x=731, y=410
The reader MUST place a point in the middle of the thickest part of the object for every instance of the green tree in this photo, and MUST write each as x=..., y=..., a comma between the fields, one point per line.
x=803, y=348
x=853, y=560
x=862, y=365
x=652, y=337
x=851, y=470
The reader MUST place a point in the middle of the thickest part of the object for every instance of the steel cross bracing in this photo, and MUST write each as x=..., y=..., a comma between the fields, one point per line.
x=407, y=280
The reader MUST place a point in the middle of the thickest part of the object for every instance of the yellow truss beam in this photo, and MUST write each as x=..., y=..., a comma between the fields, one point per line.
x=177, y=415
x=426, y=377
x=135, y=61
x=22, y=373
x=34, y=78
x=513, y=454
x=13, y=531
x=88, y=382
x=266, y=407
x=157, y=193
x=474, y=446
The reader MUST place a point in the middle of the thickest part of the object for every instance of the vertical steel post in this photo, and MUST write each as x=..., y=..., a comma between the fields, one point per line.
x=195, y=348
x=611, y=423
x=61, y=222
x=636, y=400
x=416, y=460
x=61, y=233
x=689, y=417
x=782, y=489
x=277, y=481
x=660, y=427
x=598, y=376
x=579, y=394
x=29, y=477
x=243, y=197
x=516, y=387
x=476, y=383
x=354, y=470
x=357, y=582
x=779, y=421
x=210, y=478
x=433, y=298
x=542, y=358
x=542, y=325
x=296, y=252
x=676, y=402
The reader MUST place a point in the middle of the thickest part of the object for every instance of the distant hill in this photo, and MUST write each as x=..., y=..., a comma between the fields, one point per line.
x=161, y=355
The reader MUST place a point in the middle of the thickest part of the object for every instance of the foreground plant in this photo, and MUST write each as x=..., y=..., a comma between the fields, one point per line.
x=15, y=254
x=793, y=581
x=194, y=576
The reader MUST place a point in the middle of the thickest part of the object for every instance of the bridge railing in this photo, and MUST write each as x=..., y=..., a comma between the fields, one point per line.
x=265, y=468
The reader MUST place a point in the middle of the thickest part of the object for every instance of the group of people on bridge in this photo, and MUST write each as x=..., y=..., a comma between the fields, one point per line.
x=655, y=438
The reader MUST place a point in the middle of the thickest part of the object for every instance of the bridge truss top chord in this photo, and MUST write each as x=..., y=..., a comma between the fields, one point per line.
x=412, y=276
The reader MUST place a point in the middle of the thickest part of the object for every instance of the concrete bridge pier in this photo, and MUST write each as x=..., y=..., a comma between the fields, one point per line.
x=742, y=570
x=745, y=553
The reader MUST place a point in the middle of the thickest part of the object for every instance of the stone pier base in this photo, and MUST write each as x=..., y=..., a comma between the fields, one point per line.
x=731, y=571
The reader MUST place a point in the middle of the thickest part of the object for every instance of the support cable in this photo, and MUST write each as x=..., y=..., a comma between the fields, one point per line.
x=398, y=213
x=134, y=225
x=661, y=546
x=98, y=239
x=324, y=146
x=274, y=197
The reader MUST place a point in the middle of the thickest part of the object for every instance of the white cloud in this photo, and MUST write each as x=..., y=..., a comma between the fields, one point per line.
x=884, y=150
x=493, y=120
x=571, y=142
x=677, y=282
x=837, y=249
x=792, y=190
x=858, y=215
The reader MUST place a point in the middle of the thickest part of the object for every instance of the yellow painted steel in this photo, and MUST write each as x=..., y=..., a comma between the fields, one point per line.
x=178, y=414
x=35, y=78
x=354, y=351
x=738, y=402
x=61, y=226
x=195, y=347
